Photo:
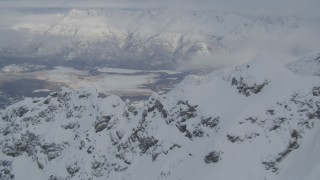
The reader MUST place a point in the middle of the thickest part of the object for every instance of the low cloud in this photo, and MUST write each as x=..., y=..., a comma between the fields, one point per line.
x=283, y=46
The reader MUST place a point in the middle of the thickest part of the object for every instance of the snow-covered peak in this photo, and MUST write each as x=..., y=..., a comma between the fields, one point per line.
x=151, y=37
x=259, y=70
x=308, y=65
x=160, y=20
x=250, y=126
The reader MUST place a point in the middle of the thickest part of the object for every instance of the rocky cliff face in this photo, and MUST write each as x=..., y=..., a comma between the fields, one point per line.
x=257, y=121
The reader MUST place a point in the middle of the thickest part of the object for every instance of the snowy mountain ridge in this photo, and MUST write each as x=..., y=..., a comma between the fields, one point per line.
x=308, y=65
x=151, y=37
x=257, y=121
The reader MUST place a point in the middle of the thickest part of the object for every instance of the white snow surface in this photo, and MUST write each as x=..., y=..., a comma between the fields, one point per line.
x=308, y=65
x=255, y=121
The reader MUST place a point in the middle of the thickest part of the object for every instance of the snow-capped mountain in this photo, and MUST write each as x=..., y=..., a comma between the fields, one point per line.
x=256, y=121
x=150, y=37
x=308, y=65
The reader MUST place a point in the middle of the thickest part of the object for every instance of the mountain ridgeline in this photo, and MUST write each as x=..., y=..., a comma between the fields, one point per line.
x=256, y=121
x=139, y=38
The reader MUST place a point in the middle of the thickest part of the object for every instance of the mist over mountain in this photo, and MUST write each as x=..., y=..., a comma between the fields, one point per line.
x=308, y=65
x=152, y=37
x=151, y=90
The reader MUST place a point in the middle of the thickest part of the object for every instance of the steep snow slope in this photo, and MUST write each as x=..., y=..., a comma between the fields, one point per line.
x=308, y=65
x=255, y=121
x=153, y=37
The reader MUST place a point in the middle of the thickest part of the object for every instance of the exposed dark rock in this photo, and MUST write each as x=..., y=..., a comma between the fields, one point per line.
x=198, y=132
x=274, y=127
x=270, y=111
x=125, y=114
x=245, y=89
x=119, y=134
x=252, y=135
x=155, y=156
x=69, y=114
x=90, y=149
x=277, y=123
x=182, y=127
x=316, y=91
x=120, y=168
x=315, y=113
x=252, y=119
x=271, y=165
x=52, y=150
x=234, y=81
x=146, y=143
x=6, y=170
x=210, y=122
x=53, y=177
x=170, y=120
x=84, y=95
x=174, y=146
x=123, y=158
x=188, y=135
x=35, y=101
x=144, y=115
x=26, y=144
x=187, y=111
x=234, y=139
x=293, y=144
x=54, y=94
x=159, y=106
x=73, y=168
x=22, y=111
x=82, y=144
x=47, y=101
x=164, y=113
x=99, y=166
x=213, y=157
x=100, y=126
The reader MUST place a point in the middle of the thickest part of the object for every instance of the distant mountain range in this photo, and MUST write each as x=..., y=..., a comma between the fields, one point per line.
x=147, y=38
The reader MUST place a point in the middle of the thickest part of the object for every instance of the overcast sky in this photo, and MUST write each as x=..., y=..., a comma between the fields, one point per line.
x=286, y=7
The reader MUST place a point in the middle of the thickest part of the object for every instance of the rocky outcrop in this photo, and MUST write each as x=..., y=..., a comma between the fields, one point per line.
x=6, y=170
x=245, y=89
x=213, y=157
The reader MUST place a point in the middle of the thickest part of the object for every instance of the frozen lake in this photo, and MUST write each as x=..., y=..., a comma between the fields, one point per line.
x=27, y=80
